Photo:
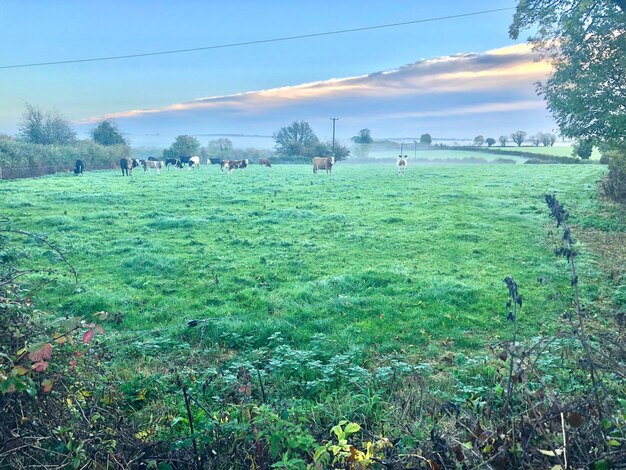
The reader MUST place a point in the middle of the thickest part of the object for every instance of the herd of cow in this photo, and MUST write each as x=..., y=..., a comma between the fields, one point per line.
x=127, y=164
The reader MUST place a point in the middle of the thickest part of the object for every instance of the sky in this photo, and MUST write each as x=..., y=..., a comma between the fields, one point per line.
x=453, y=78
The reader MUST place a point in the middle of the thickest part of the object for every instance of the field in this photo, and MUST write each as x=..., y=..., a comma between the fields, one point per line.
x=330, y=282
x=388, y=150
x=379, y=151
x=364, y=257
x=557, y=151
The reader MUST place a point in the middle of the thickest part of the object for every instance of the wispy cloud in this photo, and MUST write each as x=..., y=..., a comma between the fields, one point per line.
x=496, y=81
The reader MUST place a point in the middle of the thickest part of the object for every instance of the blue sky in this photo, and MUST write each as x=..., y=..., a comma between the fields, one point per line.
x=453, y=78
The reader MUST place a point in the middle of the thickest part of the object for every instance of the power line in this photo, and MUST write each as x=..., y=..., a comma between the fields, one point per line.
x=260, y=41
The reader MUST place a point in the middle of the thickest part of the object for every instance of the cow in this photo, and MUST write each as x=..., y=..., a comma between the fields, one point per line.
x=224, y=165
x=208, y=162
x=171, y=162
x=183, y=161
x=126, y=164
x=148, y=164
x=402, y=163
x=265, y=162
x=323, y=163
x=79, y=167
x=194, y=162
x=240, y=164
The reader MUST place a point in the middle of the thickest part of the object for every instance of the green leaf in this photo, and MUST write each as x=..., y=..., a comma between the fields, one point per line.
x=351, y=428
x=319, y=452
x=613, y=443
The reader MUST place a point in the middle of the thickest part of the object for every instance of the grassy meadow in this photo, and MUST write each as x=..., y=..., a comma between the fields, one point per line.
x=331, y=283
x=365, y=257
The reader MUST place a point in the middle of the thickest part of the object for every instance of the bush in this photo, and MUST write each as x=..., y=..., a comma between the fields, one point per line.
x=614, y=185
x=20, y=159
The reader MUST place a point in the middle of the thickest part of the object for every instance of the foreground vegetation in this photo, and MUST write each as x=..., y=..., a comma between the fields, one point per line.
x=266, y=308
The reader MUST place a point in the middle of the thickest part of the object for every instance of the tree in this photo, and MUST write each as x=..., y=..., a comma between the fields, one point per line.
x=535, y=139
x=220, y=145
x=479, y=140
x=364, y=137
x=295, y=139
x=587, y=89
x=426, y=139
x=548, y=139
x=489, y=141
x=518, y=137
x=45, y=127
x=583, y=148
x=503, y=140
x=107, y=133
x=183, y=146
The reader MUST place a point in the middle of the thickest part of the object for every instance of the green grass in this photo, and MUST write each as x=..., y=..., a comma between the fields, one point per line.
x=365, y=257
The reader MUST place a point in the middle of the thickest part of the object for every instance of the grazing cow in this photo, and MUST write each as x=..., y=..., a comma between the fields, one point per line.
x=171, y=162
x=194, y=162
x=224, y=165
x=148, y=164
x=208, y=162
x=240, y=164
x=265, y=162
x=402, y=163
x=126, y=164
x=323, y=163
x=79, y=167
x=183, y=161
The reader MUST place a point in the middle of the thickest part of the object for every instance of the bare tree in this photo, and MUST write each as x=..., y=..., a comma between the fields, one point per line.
x=518, y=137
x=45, y=127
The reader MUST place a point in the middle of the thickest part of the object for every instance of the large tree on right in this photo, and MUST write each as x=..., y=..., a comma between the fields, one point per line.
x=586, y=43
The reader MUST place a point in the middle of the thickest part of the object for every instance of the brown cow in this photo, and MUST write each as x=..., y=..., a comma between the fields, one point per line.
x=402, y=163
x=323, y=163
x=265, y=162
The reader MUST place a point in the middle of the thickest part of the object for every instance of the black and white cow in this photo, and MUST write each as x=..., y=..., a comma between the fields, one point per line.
x=148, y=164
x=171, y=162
x=79, y=167
x=237, y=164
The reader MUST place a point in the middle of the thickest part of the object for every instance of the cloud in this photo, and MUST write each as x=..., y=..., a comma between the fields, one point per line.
x=496, y=81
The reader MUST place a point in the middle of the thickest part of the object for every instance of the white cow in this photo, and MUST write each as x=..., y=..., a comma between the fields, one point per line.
x=148, y=164
x=402, y=163
x=194, y=162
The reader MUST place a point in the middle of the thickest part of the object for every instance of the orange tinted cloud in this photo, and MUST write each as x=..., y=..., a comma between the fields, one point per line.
x=508, y=68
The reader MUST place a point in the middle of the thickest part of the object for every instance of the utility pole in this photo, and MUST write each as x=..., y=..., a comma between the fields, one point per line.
x=334, y=119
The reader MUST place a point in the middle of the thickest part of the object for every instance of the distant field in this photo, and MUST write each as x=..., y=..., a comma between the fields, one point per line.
x=430, y=155
x=557, y=151
x=387, y=150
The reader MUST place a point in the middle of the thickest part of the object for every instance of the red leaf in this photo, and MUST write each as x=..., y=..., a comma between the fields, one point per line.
x=99, y=329
x=72, y=363
x=40, y=353
x=88, y=336
x=40, y=366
